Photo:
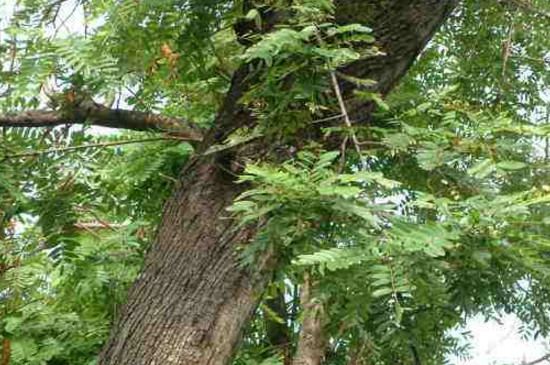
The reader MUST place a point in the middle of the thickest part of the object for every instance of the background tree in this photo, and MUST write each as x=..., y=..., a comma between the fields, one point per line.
x=424, y=213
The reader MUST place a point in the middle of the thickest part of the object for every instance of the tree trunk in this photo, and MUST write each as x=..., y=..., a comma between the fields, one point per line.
x=192, y=300
x=312, y=343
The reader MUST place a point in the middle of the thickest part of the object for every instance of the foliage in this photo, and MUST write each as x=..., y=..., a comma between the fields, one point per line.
x=77, y=230
x=474, y=217
x=446, y=220
x=292, y=63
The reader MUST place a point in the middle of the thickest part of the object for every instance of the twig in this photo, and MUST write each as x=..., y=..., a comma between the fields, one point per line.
x=507, y=49
x=327, y=119
x=533, y=59
x=47, y=12
x=86, y=22
x=346, y=117
x=169, y=178
x=64, y=21
x=104, y=223
x=92, y=145
x=13, y=58
x=539, y=360
x=6, y=351
x=98, y=225
x=342, y=154
x=87, y=229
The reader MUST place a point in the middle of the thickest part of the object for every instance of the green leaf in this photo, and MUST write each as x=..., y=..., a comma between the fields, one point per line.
x=242, y=206
x=370, y=96
x=358, y=211
x=345, y=192
x=349, y=28
x=482, y=169
x=398, y=312
x=511, y=165
x=11, y=324
x=381, y=292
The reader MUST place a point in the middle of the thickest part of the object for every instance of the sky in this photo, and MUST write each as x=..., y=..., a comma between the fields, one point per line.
x=492, y=343
x=500, y=344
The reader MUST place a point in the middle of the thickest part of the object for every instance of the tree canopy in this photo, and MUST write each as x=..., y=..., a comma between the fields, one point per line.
x=369, y=223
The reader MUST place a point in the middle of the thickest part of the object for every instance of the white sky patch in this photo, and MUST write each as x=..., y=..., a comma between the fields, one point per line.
x=500, y=344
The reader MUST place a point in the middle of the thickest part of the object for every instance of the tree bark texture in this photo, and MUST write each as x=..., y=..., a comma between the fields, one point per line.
x=192, y=300
x=189, y=304
x=96, y=114
x=312, y=343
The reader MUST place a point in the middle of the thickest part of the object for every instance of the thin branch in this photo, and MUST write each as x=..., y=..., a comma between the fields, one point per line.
x=541, y=60
x=98, y=226
x=91, y=145
x=86, y=21
x=80, y=227
x=98, y=219
x=99, y=115
x=507, y=48
x=48, y=10
x=539, y=360
x=343, y=109
x=6, y=351
x=11, y=69
x=343, y=147
x=64, y=21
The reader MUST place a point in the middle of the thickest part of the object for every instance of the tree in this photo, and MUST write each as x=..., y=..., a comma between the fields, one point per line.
x=262, y=81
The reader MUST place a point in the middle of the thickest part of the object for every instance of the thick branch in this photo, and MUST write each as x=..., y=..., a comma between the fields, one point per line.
x=401, y=30
x=99, y=115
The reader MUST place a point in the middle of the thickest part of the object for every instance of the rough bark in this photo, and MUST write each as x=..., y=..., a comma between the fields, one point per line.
x=402, y=29
x=189, y=304
x=312, y=343
x=191, y=301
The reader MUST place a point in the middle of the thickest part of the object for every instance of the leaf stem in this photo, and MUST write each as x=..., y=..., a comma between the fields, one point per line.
x=343, y=108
